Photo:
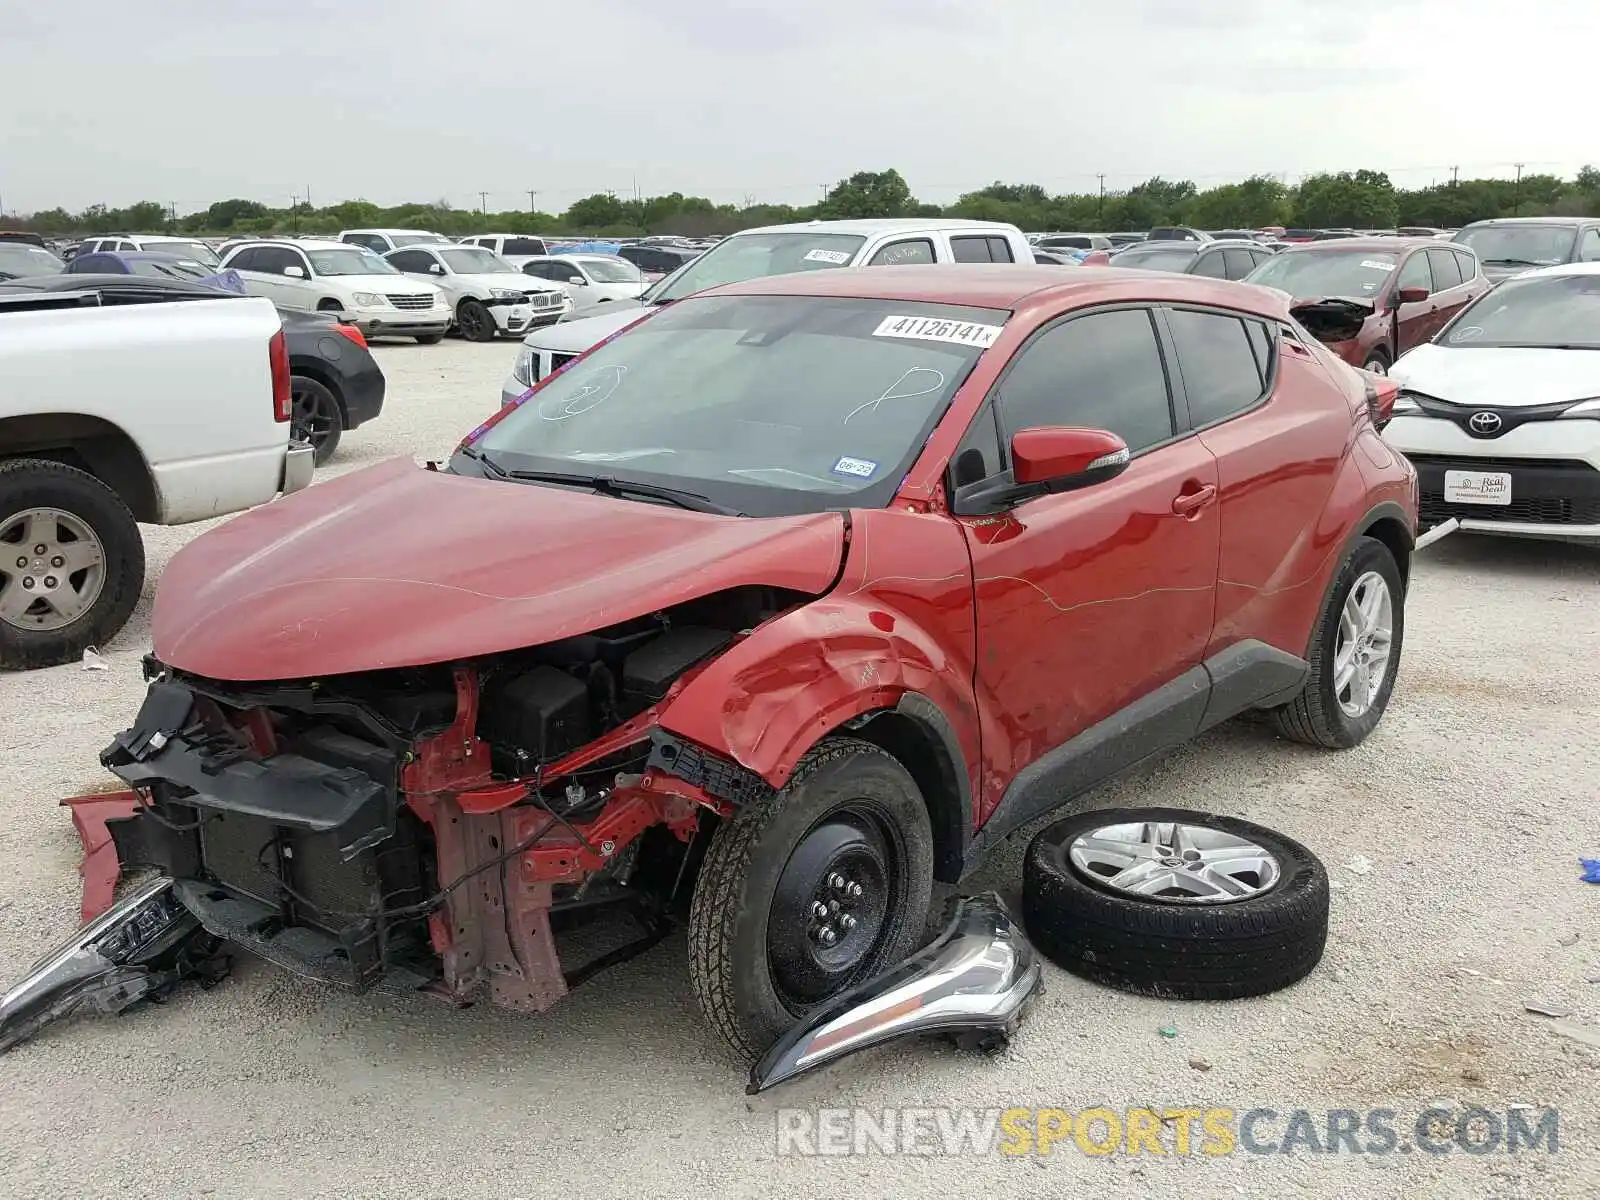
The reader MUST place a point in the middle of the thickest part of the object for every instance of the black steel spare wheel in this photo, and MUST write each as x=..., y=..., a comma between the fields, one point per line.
x=1177, y=904
x=809, y=891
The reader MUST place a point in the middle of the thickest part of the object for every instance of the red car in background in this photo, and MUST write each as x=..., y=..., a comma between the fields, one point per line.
x=798, y=595
x=1369, y=300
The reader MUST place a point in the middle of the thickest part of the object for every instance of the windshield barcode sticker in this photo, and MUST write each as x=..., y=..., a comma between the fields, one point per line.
x=935, y=329
x=837, y=257
x=1373, y=264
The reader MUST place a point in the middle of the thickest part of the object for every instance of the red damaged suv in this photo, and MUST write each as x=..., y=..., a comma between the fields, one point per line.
x=794, y=598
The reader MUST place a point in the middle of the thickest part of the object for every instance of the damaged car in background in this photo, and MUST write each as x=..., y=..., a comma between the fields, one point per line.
x=1369, y=300
x=794, y=598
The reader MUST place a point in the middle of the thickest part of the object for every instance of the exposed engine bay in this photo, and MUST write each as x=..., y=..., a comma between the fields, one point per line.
x=1334, y=319
x=437, y=825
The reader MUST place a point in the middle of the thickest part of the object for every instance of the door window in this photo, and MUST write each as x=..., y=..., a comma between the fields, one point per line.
x=1239, y=263
x=1446, y=270
x=1589, y=245
x=275, y=260
x=1414, y=273
x=245, y=260
x=1220, y=374
x=1100, y=371
x=1210, y=265
x=903, y=253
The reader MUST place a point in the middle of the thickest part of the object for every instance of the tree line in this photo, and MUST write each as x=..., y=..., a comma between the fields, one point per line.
x=1346, y=199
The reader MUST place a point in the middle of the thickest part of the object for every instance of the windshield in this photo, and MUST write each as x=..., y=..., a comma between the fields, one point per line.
x=767, y=404
x=18, y=261
x=1520, y=245
x=1308, y=274
x=349, y=260
x=198, y=251
x=1558, y=310
x=612, y=270
x=755, y=255
x=474, y=260
x=1157, y=258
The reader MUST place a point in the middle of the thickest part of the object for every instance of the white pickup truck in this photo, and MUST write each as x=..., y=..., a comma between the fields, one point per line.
x=775, y=250
x=112, y=414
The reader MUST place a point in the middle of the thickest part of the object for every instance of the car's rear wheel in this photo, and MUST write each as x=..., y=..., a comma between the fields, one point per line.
x=1377, y=362
x=71, y=563
x=476, y=321
x=429, y=339
x=808, y=891
x=1355, y=653
x=315, y=416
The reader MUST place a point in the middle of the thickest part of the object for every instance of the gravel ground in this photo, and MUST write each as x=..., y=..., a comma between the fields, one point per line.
x=1452, y=837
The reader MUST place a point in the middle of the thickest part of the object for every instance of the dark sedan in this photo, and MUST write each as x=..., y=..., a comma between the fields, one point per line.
x=335, y=382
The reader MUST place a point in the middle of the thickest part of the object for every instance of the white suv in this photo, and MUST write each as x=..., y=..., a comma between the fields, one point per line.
x=316, y=276
x=515, y=248
x=158, y=243
x=1500, y=412
x=489, y=295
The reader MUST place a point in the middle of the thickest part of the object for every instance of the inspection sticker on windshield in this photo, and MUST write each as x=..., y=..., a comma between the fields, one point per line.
x=934, y=329
x=1373, y=264
x=860, y=468
x=837, y=257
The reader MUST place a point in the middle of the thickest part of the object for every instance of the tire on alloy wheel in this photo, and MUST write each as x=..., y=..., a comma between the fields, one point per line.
x=808, y=891
x=71, y=563
x=316, y=416
x=1355, y=653
x=475, y=321
x=429, y=339
x=1176, y=904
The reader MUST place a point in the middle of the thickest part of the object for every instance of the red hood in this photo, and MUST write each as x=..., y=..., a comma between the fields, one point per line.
x=397, y=566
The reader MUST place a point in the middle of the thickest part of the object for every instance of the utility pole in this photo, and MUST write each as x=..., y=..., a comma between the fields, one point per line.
x=1516, y=193
x=1455, y=175
x=824, y=188
x=1100, y=204
x=636, y=189
x=483, y=203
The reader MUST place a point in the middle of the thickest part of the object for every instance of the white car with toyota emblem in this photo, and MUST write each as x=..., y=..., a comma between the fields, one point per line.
x=1500, y=413
x=489, y=295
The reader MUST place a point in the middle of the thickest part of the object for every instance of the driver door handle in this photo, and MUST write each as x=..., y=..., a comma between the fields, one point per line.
x=1189, y=503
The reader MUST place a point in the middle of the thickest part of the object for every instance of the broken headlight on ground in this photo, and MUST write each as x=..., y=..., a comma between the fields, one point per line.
x=139, y=949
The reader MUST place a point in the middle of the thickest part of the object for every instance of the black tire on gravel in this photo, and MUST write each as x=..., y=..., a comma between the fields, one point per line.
x=1315, y=716
x=429, y=339
x=318, y=417
x=737, y=975
x=1178, y=951
x=31, y=483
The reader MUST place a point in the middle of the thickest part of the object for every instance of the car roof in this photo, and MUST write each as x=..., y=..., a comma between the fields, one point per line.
x=391, y=232
x=1577, y=268
x=1568, y=221
x=1010, y=287
x=1378, y=244
x=876, y=225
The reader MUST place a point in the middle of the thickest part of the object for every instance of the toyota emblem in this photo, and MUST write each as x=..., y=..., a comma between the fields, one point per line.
x=1484, y=424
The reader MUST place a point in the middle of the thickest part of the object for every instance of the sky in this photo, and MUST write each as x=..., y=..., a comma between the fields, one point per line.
x=190, y=101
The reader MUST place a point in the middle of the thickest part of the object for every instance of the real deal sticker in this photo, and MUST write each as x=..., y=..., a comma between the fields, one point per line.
x=936, y=329
x=837, y=257
x=861, y=468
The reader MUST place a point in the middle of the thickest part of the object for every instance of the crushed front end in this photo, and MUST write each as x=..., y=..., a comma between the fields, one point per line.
x=437, y=826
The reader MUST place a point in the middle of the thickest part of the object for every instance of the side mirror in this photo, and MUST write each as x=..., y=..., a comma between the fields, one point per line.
x=1046, y=460
x=578, y=279
x=1411, y=295
x=435, y=269
x=295, y=272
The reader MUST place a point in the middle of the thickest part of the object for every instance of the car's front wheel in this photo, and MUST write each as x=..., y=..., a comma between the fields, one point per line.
x=809, y=891
x=1355, y=653
x=475, y=321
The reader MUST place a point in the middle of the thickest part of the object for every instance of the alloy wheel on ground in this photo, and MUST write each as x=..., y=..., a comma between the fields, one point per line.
x=1174, y=862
